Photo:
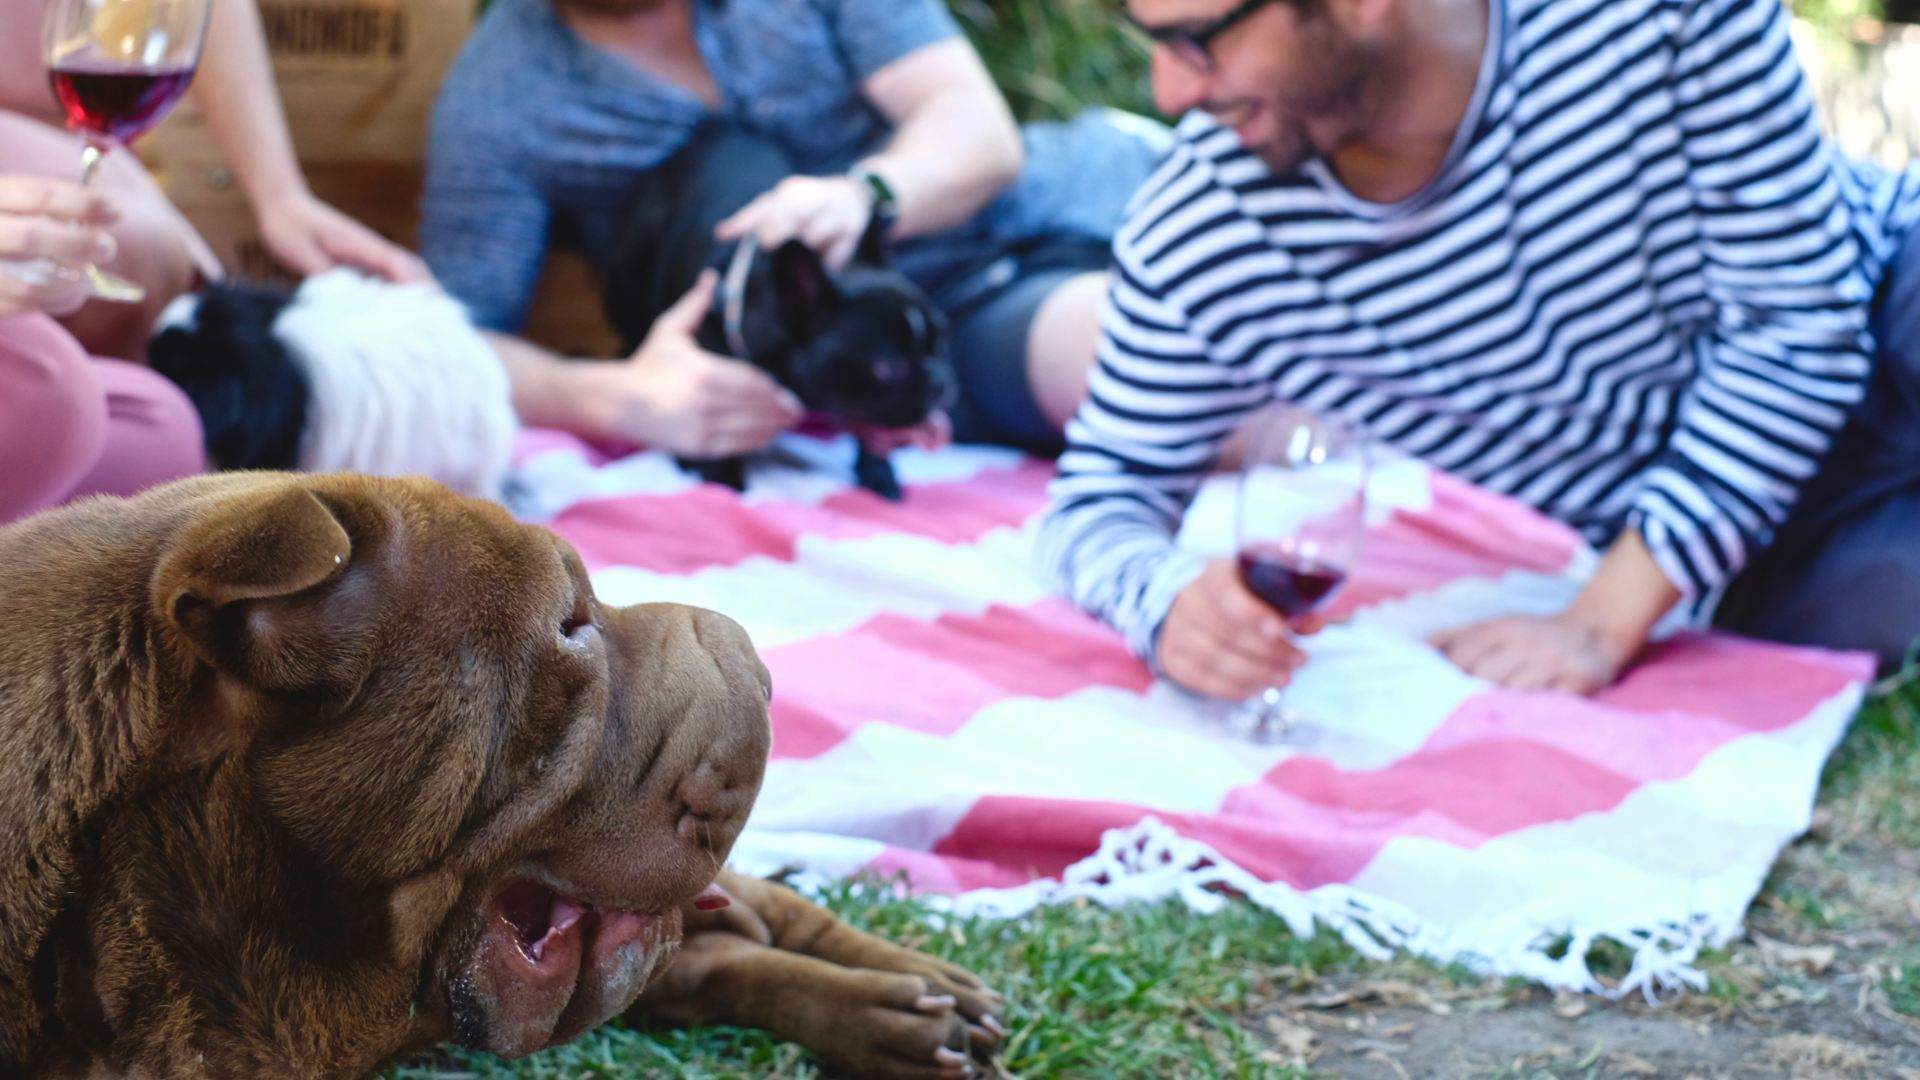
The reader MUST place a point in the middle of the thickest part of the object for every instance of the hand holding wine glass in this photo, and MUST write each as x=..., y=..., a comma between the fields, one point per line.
x=117, y=67
x=57, y=223
x=1297, y=526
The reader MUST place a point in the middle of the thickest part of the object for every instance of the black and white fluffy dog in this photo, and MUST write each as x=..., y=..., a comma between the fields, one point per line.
x=861, y=344
x=344, y=373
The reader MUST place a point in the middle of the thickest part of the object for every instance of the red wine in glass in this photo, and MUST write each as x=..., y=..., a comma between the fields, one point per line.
x=118, y=102
x=1297, y=531
x=1289, y=584
x=117, y=67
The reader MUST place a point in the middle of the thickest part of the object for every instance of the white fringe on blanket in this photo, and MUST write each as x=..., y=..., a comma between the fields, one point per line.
x=1150, y=862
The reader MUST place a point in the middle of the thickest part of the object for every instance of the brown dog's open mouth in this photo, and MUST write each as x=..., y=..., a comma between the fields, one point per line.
x=549, y=966
x=537, y=915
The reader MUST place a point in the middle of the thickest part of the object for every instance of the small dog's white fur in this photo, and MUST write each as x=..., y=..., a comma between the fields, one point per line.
x=400, y=383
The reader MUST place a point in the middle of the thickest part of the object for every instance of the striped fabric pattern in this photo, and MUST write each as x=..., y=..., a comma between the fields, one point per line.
x=1636, y=297
x=939, y=713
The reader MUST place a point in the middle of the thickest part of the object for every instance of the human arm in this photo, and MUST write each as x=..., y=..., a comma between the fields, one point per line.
x=954, y=147
x=1158, y=410
x=669, y=394
x=235, y=87
x=1781, y=356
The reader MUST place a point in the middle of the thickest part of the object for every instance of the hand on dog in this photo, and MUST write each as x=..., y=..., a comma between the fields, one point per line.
x=694, y=403
x=61, y=223
x=1529, y=652
x=933, y=433
x=827, y=213
x=1222, y=641
x=309, y=237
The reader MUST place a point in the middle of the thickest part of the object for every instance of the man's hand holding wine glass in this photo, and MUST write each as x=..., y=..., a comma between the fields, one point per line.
x=57, y=225
x=1222, y=641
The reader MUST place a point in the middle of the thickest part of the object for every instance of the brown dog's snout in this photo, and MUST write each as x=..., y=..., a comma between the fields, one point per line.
x=682, y=760
x=718, y=792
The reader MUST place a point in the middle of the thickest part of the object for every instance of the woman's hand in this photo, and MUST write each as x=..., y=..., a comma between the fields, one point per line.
x=58, y=228
x=309, y=237
x=827, y=213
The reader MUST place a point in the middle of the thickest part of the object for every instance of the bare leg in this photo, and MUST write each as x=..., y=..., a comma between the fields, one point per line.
x=871, y=1008
x=1061, y=344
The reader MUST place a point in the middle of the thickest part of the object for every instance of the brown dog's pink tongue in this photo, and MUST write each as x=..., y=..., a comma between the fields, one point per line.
x=523, y=987
x=712, y=898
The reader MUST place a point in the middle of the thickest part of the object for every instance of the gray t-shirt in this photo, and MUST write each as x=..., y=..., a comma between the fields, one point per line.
x=538, y=138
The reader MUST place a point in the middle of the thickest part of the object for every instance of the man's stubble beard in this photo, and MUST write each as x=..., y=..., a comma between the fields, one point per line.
x=1347, y=84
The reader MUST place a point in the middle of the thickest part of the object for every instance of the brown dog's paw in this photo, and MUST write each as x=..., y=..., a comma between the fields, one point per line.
x=978, y=1005
x=894, y=1026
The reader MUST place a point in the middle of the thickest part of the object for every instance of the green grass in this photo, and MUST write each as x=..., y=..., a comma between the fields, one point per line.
x=1151, y=991
x=1054, y=58
x=1155, y=991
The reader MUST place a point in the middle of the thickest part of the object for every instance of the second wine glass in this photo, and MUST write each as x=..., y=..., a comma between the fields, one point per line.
x=1297, y=529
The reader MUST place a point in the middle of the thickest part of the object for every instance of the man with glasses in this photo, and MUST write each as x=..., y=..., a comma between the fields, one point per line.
x=1593, y=254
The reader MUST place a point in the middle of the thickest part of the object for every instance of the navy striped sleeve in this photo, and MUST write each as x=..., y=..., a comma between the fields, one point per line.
x=1158, y=408
x=1786, y=353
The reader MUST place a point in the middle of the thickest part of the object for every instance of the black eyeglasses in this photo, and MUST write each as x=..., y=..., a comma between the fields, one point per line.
x=1193, y=42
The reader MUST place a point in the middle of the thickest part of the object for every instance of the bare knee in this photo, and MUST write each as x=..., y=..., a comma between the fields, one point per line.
x=1061, y=345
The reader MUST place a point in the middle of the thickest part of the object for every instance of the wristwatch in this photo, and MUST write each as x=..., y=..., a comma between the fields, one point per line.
x=886, y=207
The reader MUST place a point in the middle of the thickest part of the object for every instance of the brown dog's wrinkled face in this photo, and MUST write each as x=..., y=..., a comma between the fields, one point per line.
x=526, y=785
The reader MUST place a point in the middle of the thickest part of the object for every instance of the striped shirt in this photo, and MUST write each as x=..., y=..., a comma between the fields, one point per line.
x=1635, y=296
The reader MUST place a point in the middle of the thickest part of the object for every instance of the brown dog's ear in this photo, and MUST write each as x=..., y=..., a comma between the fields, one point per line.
x=229, y=581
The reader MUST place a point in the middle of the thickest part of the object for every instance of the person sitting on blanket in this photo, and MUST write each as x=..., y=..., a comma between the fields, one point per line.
x=555, y=107
x=154, y=246
x=1592, y=254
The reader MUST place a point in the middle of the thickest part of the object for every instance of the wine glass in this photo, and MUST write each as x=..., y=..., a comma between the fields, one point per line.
x=118, y=67
x=1297, y=530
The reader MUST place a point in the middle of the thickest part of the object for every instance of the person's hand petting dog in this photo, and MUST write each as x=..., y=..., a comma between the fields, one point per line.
x=308, y=237
x=827, y=213
x=681, y=398
x=61, y=223
x=1222, y=641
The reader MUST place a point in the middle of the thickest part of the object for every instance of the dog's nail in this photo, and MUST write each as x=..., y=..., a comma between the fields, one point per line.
x=949, y=1056
x=712, y=898
x=992, y=1023
x=933, y=1003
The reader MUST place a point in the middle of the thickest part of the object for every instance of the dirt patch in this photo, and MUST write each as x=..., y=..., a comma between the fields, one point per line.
x=1532, y=1034
x=1826, y=984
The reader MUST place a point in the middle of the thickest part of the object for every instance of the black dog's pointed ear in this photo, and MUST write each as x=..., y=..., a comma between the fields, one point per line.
x=872, y=250
x=803, y=288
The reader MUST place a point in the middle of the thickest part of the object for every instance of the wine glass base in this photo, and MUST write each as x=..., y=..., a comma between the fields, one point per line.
x=113, y=288
x=1269, y=722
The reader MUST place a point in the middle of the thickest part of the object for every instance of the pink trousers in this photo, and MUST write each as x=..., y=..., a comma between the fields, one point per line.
x=73, y=424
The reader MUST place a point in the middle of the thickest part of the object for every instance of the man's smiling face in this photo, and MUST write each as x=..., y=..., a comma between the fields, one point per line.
x=1288, y=76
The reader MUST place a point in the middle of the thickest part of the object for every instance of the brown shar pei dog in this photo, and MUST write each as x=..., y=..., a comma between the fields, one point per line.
x=299, y=775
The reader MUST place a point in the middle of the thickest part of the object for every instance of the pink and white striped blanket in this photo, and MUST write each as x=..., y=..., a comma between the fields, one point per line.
x=939, y=713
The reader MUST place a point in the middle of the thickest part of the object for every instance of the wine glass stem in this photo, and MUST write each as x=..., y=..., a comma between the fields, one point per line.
x=90, y=158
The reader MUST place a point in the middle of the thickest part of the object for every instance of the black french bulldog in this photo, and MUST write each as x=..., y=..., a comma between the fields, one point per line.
x=862, y=344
